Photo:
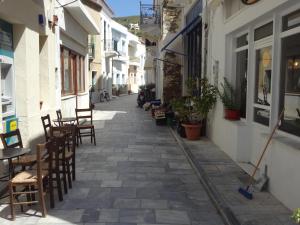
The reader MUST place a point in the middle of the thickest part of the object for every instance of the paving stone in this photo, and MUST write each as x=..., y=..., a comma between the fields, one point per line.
x=154, y=204
x=123, y=192
x=90, y=215
x=111, y=183
x=137, y=216
x=109, y=215
x=172, y=217
x=127, y=203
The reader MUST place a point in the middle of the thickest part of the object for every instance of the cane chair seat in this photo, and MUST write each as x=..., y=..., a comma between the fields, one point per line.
x=28, y=177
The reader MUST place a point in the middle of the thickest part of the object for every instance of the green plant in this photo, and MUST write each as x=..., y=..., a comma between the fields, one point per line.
x=194, y=108
x=180, y=106
x=228, y=96
x=296, y=215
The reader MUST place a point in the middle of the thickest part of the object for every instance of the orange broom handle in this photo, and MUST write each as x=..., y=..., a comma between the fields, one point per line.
x=266, y=146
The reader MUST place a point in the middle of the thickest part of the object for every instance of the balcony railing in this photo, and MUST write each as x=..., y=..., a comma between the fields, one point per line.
x=149, y=14
x=91, y=51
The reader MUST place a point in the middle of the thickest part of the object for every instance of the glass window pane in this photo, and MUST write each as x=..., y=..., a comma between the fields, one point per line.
x=263, y=31
x=82, y=75
x=263, y=76
x=66, y=72
x=78, y=73
x=241, y=80
x=263, y=80
x=242, y=41
x=262, y=116
x=290, y=84
x=291, y=21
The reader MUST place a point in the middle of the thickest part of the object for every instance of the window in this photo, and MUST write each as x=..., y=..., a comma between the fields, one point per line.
x=262, y=93
x=290, y=84
x=67, y=84
x=241, y=72
x=72, y=72
x=241, y=80
x=242, y=41
x=115, y=45
x=104, y=33
x=291, y=21
x=263, y=31
x=80, y=74
x=194, y=44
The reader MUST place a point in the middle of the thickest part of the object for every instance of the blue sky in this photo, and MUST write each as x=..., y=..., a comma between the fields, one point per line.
x=126, y=7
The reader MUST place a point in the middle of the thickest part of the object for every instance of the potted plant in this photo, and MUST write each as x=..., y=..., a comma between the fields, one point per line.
x=196, y=106
x=180, y=108
x=228, y=96
x=296, y=216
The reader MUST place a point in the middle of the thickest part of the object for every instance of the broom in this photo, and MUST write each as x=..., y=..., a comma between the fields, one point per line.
x=245, y=191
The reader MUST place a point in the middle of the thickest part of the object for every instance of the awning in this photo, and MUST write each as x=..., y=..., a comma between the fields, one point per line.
x=83, y=17
x=183, y=31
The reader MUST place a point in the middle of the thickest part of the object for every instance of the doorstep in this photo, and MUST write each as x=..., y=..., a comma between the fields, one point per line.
x=222, y=177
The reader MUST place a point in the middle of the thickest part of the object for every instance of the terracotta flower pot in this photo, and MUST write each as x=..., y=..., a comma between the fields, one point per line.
x=193, y=131
x=180, y=130
x=231, y=114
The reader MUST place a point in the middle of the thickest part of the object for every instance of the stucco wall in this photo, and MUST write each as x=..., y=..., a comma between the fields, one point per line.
x=246, y=139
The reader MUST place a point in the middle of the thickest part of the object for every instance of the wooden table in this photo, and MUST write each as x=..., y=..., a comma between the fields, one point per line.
x=67, y=120
x=11, y=153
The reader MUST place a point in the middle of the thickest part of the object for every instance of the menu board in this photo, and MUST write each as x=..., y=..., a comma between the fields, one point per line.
x=6, y=36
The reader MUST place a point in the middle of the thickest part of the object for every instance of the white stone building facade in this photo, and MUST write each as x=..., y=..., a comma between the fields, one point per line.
x=256, y=48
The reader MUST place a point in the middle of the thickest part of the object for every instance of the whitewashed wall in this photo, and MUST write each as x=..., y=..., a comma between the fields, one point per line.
x=246, y=139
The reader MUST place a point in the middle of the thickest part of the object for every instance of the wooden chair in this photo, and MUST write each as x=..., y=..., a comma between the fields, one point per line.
x=16, y=142
x=21, y=184
x=59, y=117
x=55, y=147
x=46, y=125
x=85, y=114
x=69, y=157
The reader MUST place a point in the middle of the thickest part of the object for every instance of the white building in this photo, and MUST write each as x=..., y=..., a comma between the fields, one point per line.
x=137, y=57
x=107, y=47
x=257, y=48
x=72, y=83
x=134, y=26
x=120, y=62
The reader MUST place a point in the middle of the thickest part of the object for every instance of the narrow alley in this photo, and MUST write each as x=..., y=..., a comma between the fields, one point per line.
x=137, y=174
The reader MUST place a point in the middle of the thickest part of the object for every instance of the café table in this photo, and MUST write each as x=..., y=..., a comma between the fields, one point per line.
x=65, y=120
x=9, y=154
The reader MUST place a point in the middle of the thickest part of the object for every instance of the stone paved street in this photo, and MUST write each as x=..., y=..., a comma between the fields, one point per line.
x=137, y=174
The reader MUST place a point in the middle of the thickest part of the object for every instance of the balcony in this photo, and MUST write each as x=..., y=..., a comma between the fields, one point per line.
x=91, y=51
x=109, y=48
x=150, y=18
x=135, y=61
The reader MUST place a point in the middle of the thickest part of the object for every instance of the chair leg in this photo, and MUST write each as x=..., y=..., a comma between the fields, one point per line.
x=51, y=192
x=79, y=136
x=69, y=174
x=42, y=199
x=58, y=184
x=73, y=169
x=64, y=172
x=11, y=196
x=94, y=135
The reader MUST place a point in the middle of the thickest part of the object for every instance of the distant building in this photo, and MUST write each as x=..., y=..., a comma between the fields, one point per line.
x=134, y=26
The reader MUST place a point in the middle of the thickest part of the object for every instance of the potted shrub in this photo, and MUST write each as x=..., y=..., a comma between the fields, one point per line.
x=296, y=216
x=196, y=107
x=180, y=108
x=228, y=96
